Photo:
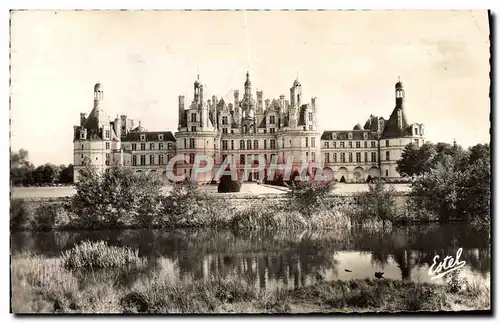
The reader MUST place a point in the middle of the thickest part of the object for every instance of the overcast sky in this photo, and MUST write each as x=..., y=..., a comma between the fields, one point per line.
x=348, y=60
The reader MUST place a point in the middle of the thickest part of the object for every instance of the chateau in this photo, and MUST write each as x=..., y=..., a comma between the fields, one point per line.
x=249, y=126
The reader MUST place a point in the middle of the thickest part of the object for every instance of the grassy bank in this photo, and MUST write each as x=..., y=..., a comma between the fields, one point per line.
x=50, y=285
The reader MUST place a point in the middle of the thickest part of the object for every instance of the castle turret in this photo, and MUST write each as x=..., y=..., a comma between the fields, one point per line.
x=181, y=111
x=400, y=96
x=259, y=101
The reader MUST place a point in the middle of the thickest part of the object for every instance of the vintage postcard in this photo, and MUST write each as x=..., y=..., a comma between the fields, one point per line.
x=250, y=161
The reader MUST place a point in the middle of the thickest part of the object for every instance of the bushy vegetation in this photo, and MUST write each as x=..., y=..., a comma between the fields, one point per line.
x=98, y=255
x=119, y=197
x=457, y=186
x=43, y=285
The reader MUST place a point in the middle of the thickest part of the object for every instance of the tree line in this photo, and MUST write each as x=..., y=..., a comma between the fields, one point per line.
x=449, y=181
x=24, y=173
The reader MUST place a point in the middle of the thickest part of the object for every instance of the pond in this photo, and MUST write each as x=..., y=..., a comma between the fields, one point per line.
x=288, y=259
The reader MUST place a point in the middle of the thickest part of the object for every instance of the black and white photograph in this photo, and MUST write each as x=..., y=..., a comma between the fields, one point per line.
x=250, y=161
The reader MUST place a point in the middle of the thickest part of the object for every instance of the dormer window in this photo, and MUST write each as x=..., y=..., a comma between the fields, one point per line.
x=350, y=135
x=106, y=134
x=365, y=135
x=143, y=137
x=334, y=136
x=160, y=137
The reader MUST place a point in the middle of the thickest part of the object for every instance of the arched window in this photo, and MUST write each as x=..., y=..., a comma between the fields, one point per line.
x=249, y=144
x=255, y=144
x=251, y=129
x=245, y=128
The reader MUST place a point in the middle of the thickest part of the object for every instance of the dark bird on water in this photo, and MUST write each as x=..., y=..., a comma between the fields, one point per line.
x=347, y=270
x=379, y=274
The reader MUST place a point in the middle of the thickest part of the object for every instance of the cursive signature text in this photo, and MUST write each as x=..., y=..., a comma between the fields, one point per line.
x=447, y=265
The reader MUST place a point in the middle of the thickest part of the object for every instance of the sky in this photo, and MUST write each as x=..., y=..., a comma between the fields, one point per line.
x=349, y=60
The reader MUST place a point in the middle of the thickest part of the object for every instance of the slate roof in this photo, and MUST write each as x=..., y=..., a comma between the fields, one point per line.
x=344, y=135
x=392, y=130
x=150, y=136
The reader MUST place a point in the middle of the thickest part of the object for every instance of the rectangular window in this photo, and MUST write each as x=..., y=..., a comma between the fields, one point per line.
x=224, y=144
x=334, y=144
x=143, y=146
x=82, y=147
x=313, y=142
x=366, y=157
x=193, y=128
x=169, y=157
x=143, y=137
x=107, y=145
x=366, y=144
x=107, y=134
x=350, y=157
x=134, y=160
x=387, y=156
x=256, y=144
x=386, y=173
x=334, y=157
x=342, y=157
x=151, y=159
x=327, y=144
x=310, y=127
x=374, y=157
x=273, y=144
x=232, y=144
x=160, y=160
x=265, y=158
x=242, y=144
x=342, y=144
x=313, y=156
x=107, y=159
x=307, y=142
x=350, y=144
x=134, y=146
x=160, y=146
x=271, y=120
x=358, y=157
x=265, y=143
x=152, y=146
x=193, y=117
x=224, y=120
x=191, y=143
x=358, y=144
x=224, y=131
x=191, y=158
x=143, y=160
x=374, y=144
x=242, y=159
x=310, y=116
x=307, y=155
x=249, y=144
x=224, y=156
x=387, y=143
x=272, y=130
x=327, y=158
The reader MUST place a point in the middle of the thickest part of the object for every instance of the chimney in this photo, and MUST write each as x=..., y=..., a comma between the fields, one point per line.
x=83, y=118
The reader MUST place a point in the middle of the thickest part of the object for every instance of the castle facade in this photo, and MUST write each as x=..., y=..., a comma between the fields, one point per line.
x=248, y=130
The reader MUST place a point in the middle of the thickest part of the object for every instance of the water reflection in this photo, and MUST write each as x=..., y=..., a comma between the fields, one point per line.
x=273, y=260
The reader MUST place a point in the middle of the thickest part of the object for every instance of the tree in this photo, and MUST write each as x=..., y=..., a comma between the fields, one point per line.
x=66, y=175
x=379, y=202
x=20, y=167
x=415, y=160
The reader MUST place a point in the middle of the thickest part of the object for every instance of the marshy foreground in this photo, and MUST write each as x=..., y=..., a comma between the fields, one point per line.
x=89, y=278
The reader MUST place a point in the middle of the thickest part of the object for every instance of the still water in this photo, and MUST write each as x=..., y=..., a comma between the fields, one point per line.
x=271, y=260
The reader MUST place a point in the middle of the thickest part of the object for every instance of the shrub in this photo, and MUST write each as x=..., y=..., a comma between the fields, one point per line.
x=377, y=204
x=95, y=255
x=186, y=206
x=19, y=216
x=309, y=197
x=118, y=197
x=227, y=185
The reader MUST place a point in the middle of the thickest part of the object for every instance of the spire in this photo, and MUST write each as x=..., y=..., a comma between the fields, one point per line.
x=247, y=82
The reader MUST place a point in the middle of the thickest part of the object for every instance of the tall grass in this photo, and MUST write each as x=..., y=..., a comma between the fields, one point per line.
x=43, y=285
x=97, y=255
